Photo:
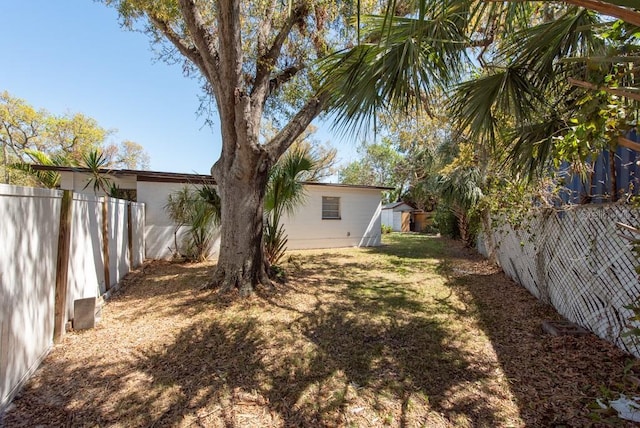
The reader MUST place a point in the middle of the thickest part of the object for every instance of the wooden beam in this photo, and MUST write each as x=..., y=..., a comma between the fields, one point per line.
x=625, y=142
x=130, y=235
x=62, y=266
x=614, y=91
x=105, y=242
x=627, y=227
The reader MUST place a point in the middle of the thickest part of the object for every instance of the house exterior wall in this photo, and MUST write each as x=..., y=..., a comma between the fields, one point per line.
x=77, y=181
x=159, y=229
x=359, y=225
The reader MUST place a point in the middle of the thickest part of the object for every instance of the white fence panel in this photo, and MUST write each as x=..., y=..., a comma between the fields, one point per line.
x=577, y=261
x=118, y=243
x=138, y=225
x=29, y=231
x=28, y=254
x=86, y=272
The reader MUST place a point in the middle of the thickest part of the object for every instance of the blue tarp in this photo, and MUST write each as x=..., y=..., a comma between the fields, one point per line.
x=627, y=174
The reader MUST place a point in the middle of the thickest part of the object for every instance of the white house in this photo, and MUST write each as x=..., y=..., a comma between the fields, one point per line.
x=333, y=215
x=397, y=215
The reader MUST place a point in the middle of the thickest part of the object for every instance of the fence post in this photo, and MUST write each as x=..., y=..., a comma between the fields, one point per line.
x=62, y=266
x=130, y=235
x=105, y=243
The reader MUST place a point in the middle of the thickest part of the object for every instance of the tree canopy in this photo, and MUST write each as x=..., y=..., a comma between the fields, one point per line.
x=30, y=135
x=256, y=60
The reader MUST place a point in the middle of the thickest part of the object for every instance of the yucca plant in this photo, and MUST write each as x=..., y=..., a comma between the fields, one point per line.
x=97, y=163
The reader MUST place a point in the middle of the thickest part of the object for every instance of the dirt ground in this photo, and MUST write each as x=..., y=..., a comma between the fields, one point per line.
x=418, y=332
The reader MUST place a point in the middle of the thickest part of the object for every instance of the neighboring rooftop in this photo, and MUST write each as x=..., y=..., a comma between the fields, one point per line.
x=175, y=177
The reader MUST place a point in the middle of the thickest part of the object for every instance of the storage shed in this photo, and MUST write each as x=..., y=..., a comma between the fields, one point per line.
x=398, y=216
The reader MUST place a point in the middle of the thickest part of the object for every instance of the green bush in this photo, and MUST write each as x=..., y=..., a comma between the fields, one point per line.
x=446, y=223
x=386, y=229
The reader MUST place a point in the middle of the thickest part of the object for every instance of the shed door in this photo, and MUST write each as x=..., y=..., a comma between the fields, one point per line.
x=406, y=222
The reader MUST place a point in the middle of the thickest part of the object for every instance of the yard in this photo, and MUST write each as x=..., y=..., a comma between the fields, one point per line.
x=419, y=332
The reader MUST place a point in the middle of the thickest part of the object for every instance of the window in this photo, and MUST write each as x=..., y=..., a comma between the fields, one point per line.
x=330, y=208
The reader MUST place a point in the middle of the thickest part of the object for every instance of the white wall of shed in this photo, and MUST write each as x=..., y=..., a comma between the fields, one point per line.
x=386, y=217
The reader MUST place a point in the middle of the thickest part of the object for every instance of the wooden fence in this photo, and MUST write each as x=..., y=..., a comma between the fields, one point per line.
x=576, y=260
x=52, y=253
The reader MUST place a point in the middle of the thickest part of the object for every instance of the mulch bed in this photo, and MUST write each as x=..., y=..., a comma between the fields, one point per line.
x=434, y=337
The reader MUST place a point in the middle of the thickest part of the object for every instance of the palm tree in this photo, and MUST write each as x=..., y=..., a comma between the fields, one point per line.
x=530, y=87
x=49, y=179
x=284, y=193
x=196, y=210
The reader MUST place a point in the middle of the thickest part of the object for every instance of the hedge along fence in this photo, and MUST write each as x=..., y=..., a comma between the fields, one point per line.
x=578, y=261
x=43, y=271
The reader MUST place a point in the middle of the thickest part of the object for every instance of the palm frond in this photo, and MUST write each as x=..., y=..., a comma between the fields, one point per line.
x=403, y=62
x=530, y=152
x=477, y=104
x=539, y=48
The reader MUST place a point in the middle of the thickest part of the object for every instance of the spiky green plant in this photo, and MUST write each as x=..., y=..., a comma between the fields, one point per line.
x=49, y=179
x=97, y=163
x=284, y=194
x=189, y=208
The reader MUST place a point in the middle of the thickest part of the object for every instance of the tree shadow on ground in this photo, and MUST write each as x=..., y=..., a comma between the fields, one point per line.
x=336, y=347
x=555, y=380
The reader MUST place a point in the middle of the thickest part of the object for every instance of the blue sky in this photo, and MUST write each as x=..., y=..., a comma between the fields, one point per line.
x=72, y=56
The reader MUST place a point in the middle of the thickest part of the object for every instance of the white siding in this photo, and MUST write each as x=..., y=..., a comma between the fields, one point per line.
x=77, y=181
x=397, y=221
x=159, y=228
x=359, y=224
x=386, y=217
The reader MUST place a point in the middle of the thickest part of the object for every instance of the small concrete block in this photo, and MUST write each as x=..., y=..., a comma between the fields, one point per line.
x=85, y=313
x=563, y=328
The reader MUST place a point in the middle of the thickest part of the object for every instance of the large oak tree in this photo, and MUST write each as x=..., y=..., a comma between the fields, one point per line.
x=254, y=58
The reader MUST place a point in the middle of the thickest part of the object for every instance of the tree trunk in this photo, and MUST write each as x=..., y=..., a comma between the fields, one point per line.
x=241, y=261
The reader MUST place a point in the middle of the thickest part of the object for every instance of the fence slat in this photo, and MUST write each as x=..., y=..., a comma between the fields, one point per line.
x=105, y=243
x=62, y=265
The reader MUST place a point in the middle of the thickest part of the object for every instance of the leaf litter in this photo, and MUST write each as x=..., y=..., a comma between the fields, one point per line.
x=418, y=332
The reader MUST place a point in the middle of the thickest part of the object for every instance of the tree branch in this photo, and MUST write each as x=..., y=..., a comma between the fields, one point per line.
x=281, y=142
x=628, y=15
x=625, y=142
x=190, y=53
x=614, y=91
x=283, y=77
x=202, y=40
x=623, y=13
x=266, y=61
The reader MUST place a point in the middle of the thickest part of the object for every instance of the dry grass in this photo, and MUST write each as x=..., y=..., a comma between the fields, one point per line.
x=419, y=332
